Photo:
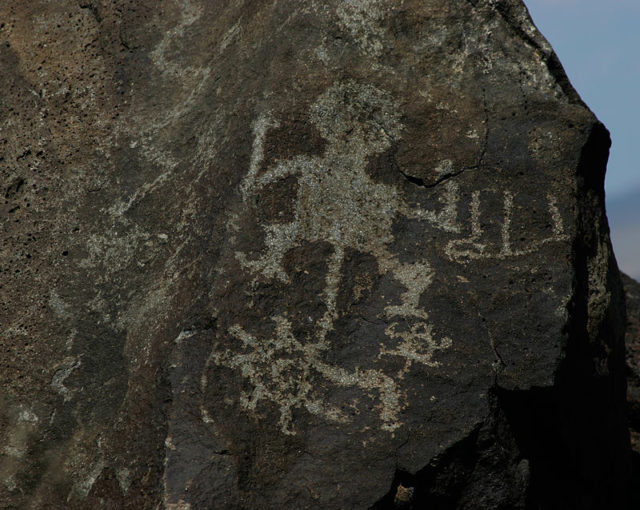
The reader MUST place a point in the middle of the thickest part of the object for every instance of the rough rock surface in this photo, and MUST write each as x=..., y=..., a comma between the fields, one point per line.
x=632, y=342
x=311, y=254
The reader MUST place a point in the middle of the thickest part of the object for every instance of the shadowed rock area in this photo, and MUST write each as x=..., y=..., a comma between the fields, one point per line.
x=632, y=342
x=271, y=254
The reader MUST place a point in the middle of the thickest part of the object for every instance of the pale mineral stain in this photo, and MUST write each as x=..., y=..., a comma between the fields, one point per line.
x=59, y=307
x=19, y=435
x=64, y=370
x=123, y=475
x=180, y=505
x=83, y=486
x=27, y=416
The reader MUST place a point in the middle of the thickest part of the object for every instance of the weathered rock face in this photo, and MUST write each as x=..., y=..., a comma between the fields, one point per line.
x=341, y=254
x=632, y=344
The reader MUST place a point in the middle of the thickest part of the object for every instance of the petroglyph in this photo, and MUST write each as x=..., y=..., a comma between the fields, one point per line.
x=363, y=19
x=337, y=202
x=478, y=246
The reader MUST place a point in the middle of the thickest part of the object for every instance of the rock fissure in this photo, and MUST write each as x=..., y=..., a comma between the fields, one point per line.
x=449, y=175
x=443, y=178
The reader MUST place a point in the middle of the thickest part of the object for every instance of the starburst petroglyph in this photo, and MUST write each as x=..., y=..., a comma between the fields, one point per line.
x=337, y=202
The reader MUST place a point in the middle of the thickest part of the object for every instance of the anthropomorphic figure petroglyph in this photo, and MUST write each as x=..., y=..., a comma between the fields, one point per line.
x=339, y=203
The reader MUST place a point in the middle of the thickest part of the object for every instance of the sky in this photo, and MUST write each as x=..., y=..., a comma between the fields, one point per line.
x=598, y=43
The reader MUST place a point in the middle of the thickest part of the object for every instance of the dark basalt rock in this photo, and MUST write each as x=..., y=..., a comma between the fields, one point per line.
x=338, y=254
x=632, y=343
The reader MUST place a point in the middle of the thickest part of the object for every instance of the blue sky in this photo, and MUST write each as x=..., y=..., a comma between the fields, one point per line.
x=598, y=43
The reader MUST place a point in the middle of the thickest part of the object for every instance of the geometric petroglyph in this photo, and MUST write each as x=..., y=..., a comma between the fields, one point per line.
x=478, y=246
x=336, y=202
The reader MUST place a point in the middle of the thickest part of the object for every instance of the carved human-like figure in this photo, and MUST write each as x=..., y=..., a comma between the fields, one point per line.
x=337, y=202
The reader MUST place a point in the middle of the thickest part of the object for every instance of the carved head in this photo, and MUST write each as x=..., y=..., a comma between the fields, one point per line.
x=357, y=117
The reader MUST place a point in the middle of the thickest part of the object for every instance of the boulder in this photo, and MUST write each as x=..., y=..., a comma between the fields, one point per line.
x=339, y=254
